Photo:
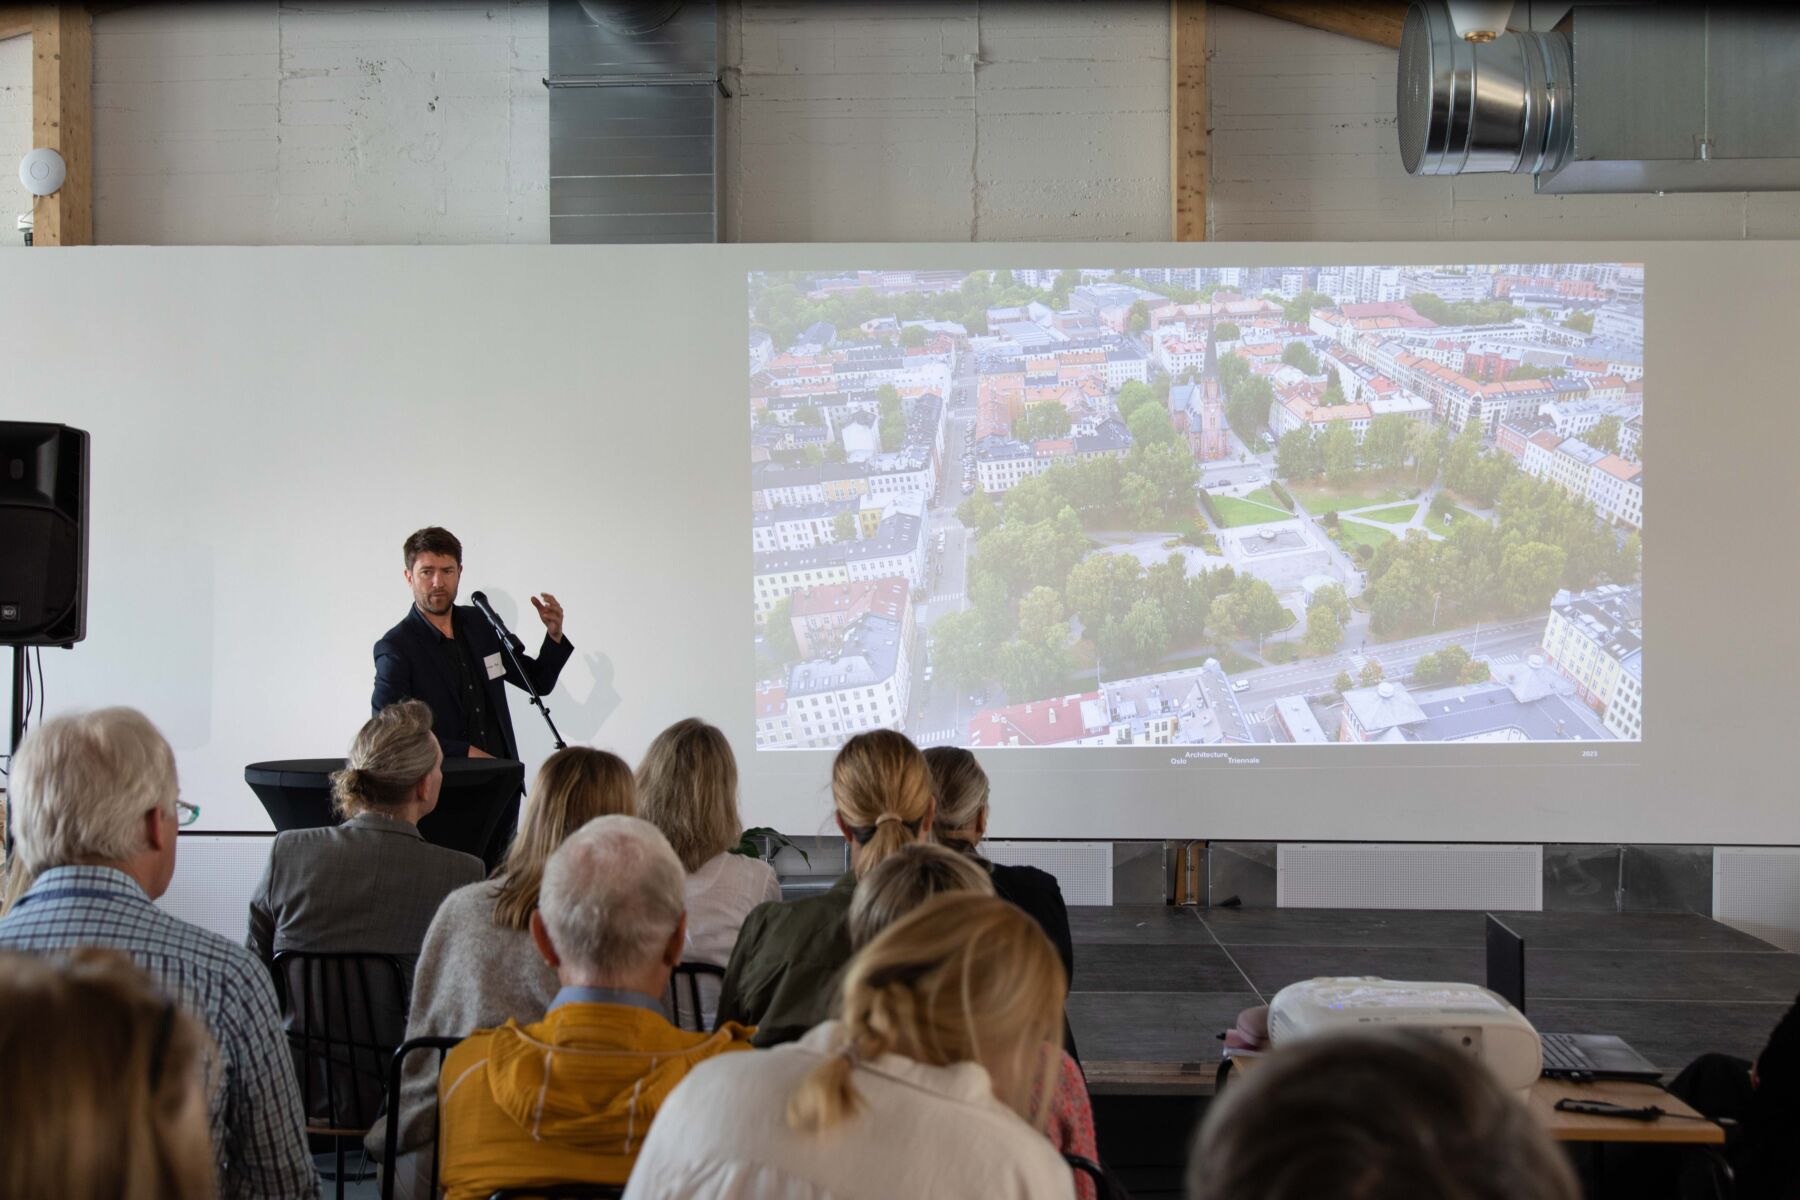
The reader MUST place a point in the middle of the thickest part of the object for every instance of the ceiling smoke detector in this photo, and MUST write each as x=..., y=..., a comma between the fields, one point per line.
x=1466, y=104
x=42, y=171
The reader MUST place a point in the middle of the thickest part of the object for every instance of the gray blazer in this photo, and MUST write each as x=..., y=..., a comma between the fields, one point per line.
x=370, y=885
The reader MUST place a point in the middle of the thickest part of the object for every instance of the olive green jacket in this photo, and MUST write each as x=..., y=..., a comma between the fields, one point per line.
x=784, y=970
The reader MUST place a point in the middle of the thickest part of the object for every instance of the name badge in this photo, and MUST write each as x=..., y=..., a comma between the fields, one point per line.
x=495, y=668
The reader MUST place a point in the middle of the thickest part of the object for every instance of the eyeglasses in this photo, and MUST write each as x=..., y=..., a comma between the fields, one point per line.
x=186, y=814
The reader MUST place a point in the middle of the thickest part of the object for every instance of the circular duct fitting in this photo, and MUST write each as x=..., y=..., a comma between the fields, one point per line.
x=1464, y=107
x=630, y=19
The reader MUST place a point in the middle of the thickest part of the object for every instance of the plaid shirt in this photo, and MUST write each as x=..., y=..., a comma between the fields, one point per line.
x=257, y=1124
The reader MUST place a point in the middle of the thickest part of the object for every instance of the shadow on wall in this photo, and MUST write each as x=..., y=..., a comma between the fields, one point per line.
x=585, y=697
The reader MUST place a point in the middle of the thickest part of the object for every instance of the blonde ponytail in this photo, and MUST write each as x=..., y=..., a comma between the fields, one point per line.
x=827, y=1096
x=882, y=789
x=963, y=978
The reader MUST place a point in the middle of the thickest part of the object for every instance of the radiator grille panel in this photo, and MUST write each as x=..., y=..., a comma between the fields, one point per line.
x=1336, y=875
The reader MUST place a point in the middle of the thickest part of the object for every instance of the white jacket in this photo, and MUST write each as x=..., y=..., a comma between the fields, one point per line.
x=921, y=1131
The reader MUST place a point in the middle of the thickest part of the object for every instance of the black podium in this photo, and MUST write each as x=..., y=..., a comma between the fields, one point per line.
x=476, y=812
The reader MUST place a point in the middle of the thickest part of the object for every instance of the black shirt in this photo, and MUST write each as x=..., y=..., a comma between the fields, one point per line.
x=1037, y=893
x=471, y=685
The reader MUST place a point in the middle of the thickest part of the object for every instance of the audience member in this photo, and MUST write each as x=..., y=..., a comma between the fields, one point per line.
x=946, y=1039
x=1762, y=1098
x=1368, y=1116
x=913, y=875
x=961, y=787
x=687, y=787
x=371, y=885
x=96, y=812
x=479, y=967
x=906, y=879
x=781, y=974
x=568, y=1099
x=118, y=1072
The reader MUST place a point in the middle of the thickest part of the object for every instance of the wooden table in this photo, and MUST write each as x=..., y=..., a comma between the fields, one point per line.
x=1127, y=1078
x=1679, y=1128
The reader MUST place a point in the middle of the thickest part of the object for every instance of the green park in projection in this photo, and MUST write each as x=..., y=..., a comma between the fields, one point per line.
x=1060, y=588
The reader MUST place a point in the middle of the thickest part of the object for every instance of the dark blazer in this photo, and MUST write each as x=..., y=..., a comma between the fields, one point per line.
x=409, y=665
x=1039, y=895
x=370, y=886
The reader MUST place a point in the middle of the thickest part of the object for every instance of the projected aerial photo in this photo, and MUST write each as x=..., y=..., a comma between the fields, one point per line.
x=1198, y=506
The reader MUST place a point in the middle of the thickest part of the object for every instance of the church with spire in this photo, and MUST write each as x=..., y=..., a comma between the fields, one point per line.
x=1198, y=409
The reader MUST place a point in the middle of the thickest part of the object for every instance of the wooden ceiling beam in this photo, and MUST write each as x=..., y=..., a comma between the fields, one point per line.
x=15, y=19
x=1190, y=131
x=1377, y=21
x=62, y=118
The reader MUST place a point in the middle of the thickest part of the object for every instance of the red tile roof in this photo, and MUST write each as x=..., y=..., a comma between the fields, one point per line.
x=884, y=597
x=1034, y=723
x=1618, y=468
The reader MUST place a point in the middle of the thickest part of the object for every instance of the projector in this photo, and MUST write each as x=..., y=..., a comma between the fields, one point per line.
x=1473, y=1018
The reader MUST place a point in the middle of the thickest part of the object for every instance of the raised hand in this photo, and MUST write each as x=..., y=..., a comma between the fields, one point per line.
x=550, y=613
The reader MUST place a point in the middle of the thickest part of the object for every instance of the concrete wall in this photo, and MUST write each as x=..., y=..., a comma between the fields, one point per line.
x=312, y=123
x=912, y=120
x=947, y=121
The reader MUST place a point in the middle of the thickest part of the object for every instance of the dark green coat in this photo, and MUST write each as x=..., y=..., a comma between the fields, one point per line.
x=783, y=975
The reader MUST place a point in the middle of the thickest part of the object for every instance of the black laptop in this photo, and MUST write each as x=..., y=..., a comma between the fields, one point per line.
x=1578, y=1055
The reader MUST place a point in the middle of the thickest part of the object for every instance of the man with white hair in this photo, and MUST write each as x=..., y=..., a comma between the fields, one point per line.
x=95, y=811
x=569, y=1099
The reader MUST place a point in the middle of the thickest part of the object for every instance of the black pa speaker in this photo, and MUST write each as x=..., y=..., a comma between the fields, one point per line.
x=43, y=534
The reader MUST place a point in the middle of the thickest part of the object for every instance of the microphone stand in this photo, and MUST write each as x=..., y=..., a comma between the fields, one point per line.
x=511, y=645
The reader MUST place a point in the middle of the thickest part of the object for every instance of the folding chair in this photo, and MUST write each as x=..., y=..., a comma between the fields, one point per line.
x=684, y=985
x=345, y=1012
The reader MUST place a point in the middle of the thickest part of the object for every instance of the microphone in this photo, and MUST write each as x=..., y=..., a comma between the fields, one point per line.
x=480, y=601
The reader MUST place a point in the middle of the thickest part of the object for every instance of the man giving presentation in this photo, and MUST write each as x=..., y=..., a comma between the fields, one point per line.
x=450, y=657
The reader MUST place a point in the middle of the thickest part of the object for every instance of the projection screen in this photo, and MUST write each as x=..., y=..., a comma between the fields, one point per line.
x=1278, y=542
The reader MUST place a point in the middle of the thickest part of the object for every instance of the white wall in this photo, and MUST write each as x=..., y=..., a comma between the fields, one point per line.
x=914, y=120
x=248, y=502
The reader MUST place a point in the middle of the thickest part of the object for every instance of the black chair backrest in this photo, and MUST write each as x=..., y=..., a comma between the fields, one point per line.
x=685, y=1007
x=397, y=1072
x=563, y=1191
x=345, y=1013
x=1105, y=1186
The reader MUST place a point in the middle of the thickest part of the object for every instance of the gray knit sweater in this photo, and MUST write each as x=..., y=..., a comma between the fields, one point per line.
x=472, y=975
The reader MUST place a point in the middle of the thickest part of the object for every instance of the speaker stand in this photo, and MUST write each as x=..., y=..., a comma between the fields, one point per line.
x=16, y=722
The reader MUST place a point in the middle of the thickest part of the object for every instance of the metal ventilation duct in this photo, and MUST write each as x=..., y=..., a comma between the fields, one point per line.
x=1480, y=106
x=630, y=19
x=633, y=121
x=1617, y=98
